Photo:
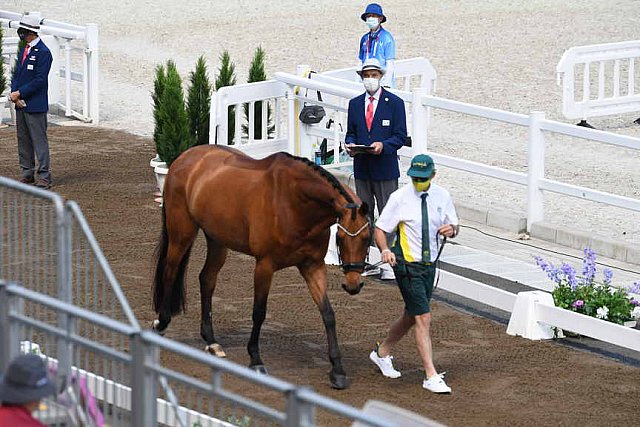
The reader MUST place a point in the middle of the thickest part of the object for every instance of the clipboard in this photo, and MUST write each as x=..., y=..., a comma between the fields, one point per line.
x=359, y=149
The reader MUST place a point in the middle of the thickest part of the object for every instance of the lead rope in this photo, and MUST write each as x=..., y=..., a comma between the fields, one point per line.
x=440, y=247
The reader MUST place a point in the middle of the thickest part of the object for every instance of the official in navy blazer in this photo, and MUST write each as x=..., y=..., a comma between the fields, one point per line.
x=376, y=119
x=29, y=87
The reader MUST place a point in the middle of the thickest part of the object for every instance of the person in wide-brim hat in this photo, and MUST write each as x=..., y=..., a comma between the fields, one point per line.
x=30, y=23
x=24, y=384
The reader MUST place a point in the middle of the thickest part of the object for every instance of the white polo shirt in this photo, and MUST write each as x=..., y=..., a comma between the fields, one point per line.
x=403, y=212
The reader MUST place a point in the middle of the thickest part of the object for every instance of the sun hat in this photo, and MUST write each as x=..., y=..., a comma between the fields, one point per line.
x=25, y=380
x=373, y=9
x=371, y=64
x=422, y=166
x=30, y=22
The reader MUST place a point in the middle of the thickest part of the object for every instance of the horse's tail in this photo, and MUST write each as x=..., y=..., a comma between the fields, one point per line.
x=178, y=295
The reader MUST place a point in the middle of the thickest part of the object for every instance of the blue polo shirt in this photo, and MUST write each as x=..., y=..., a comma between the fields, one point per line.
x=379, y=45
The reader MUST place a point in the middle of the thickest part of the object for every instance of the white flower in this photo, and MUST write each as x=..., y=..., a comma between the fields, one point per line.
x=635, y=313
x=602, y=312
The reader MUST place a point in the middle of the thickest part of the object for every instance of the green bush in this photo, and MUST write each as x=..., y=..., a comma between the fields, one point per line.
x=199, y=103
x=158, y=87
x=3, y=80
x=227, y=77
x=174, y=136
x=258, y=74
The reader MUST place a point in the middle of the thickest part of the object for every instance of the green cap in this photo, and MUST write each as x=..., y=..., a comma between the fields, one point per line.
x=422, y=166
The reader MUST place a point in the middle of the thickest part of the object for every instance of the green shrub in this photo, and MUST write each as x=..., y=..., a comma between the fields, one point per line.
x=3, y=80
x=227, y=77
x=158, y=87
x=199, y=103
x=174, y=136
x=258, y=74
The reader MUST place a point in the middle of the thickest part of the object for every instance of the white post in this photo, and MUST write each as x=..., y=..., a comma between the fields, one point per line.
x=213, y=119
x=93, y=71
x=419, y=122
x=535, y=198
x=302, y=144
x=291, y=120
x=67, y=78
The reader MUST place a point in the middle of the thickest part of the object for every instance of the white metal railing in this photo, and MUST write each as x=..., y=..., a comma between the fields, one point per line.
x=614, y=63
x=65, y=41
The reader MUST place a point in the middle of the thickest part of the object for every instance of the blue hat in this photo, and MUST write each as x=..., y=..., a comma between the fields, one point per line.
x=374, y=9
x=422, y=166
x=26, y=381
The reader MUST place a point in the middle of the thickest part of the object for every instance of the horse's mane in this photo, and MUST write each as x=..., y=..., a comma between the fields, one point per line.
x=323, y=172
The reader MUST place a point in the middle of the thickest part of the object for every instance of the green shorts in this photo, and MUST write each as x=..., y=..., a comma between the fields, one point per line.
x=415, y=281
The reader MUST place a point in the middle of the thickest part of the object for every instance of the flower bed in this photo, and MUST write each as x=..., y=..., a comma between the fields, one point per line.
x=584, y=294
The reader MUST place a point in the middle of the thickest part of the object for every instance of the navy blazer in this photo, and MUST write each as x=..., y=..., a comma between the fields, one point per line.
x=32, y=78
x=389, y=127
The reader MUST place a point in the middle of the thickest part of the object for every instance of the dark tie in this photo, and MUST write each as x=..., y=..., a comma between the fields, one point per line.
x=369, y=115
x=426, y=252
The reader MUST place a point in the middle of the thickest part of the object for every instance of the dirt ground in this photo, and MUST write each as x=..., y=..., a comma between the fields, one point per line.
x=496, y=379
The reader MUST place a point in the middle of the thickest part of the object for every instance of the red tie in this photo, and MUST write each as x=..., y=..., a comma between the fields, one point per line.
x=24, y=54
x=369, y=116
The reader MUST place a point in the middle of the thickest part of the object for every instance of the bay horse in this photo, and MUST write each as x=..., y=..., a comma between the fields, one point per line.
x=278, y=210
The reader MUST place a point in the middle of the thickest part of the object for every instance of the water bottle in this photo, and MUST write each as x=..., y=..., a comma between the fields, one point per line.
x=318, y=158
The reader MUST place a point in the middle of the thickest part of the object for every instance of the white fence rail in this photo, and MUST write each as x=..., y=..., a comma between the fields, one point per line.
x=610, y=82
x=75, y=64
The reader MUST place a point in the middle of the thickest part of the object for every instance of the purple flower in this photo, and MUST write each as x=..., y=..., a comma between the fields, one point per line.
x=607, y=275
x=635, y=302
x=634, y=289
x=578, y=304
x=588, y=266
x=570, y=274
x=553, y=273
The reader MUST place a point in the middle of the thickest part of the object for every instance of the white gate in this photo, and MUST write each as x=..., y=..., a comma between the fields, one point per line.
x=615, y=89
x=75, y=63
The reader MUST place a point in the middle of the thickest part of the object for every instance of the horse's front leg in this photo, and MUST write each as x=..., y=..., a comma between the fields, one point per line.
x=316, y=278
x=261, y=285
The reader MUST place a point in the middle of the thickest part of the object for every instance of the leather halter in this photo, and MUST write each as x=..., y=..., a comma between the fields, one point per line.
x=351, y=266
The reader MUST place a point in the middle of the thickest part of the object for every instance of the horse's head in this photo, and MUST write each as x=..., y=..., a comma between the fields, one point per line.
x=352, y=239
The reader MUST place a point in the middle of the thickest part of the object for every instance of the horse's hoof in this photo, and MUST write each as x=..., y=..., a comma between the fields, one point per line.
x=215, y=349
x=338, y=381
x=155, y=326
x=261, y=369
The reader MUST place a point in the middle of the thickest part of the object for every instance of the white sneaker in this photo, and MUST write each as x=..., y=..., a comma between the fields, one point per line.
x=373, y=272
x=385, y=364
x=436, y=384
x=387, y=274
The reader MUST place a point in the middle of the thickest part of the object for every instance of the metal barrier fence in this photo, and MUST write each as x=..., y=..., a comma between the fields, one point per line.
x=59, y=298
x=75, y=59
x=613, y=64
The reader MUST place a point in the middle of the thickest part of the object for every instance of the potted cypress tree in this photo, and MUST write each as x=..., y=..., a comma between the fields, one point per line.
x=173, y=136
x=199, y=103
x=227, y=77
x=3, y=80
x=158, y=86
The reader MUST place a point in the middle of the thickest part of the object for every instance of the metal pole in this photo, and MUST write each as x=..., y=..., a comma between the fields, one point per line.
x=143, y=384
x=63, y=267
x=535, y=198
x=299, y=413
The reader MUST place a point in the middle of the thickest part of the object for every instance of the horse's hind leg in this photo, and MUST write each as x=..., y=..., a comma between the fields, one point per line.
x=216, y=256
x=261, y=285
x=178, y=235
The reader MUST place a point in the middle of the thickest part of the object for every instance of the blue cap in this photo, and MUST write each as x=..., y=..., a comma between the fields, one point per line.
x=374, y=9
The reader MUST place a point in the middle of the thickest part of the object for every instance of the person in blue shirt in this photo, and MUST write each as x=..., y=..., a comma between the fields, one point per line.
x=29, y=88
x=378, y=43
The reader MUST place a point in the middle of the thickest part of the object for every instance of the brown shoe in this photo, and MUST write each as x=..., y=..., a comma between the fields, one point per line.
x=27, y=180
x=43, y=183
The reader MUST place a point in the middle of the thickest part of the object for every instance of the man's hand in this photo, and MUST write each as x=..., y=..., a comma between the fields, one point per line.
x=448, y=230
x=377, y=148
x=14, y=96
x=388, y=257
x=349, y=152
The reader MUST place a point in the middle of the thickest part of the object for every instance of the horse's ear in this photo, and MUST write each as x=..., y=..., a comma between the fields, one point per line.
x=364, y=208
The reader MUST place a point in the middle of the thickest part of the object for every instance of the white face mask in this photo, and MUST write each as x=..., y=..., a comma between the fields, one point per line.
x=372, y=22
x=371, y=84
